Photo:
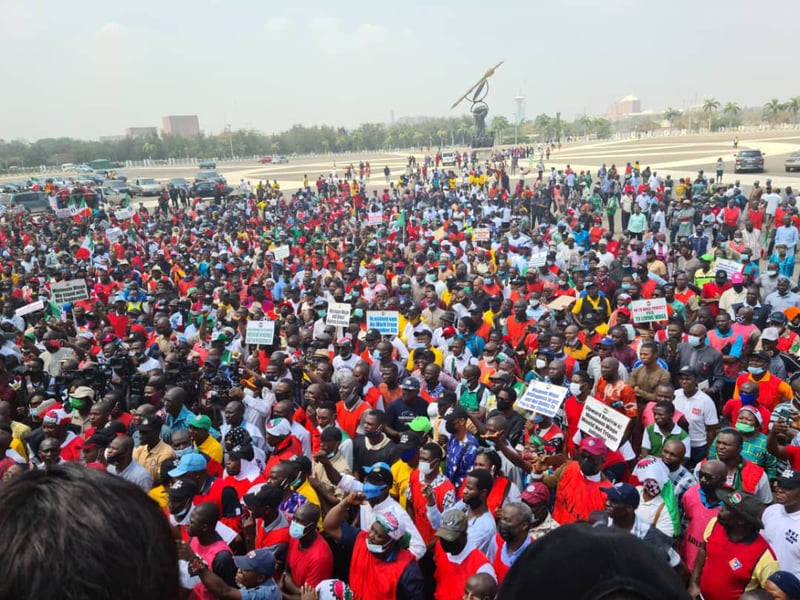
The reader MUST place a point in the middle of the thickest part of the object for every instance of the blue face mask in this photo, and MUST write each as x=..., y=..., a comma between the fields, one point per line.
x=184, y=452
x=748, y=399
x=372, y=491
x=755, y=370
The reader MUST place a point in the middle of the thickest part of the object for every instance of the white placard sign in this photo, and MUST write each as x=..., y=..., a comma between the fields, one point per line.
x=66, y=213
x=281, y=252
x=124, y=213
x=600, y=420
x=29, y=308
x=385, y=321
x=113, y=234
x=537, y=260
x=648, y=311
x=729, y=266
x=375, y=218
x=260, y=332
x=338, y=314
x=69, y=291
x=543, y=398
x=482, y=234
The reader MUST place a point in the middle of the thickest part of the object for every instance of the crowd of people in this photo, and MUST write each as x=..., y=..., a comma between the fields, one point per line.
x=339, y=459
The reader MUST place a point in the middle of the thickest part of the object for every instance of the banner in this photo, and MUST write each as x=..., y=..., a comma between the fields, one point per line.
x=281, y=252
x=600, y=420
x=29, y=308
x=113, y=234
x=537, y=260
x=66, y=213
x=647, y=311
x=260, y=332
x=729, y=266
x=124, y=213
x=69, y=291
x=338, y=314
x=375, y=218
x=482, y=234
x=385, y=321
x=543, y=398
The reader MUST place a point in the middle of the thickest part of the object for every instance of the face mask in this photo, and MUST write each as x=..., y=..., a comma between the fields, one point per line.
x=184, y=451
x=771, y=273
x=738, y=287
x=745, y=428
x=783, y=292
x=651, y=487
x=372, y=491
x=575, y=389
x=179, y=516
x=541, y=363
x=377, y=548
x=358, y=312
x=373, y=435
x=740, y=320
x=322, y=313
x=695, y=341
x=755, y=370
x=425, y=468
x=535, y=303
x=376, y=355
x=296, y=531
x=78, y=403
x=112, y=459
x=745, y=258
x=747, y=399
x=487, y=281
x=626, y=286
x=506, y=531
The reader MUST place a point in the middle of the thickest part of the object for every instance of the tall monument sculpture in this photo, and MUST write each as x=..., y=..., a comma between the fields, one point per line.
x=479, y=108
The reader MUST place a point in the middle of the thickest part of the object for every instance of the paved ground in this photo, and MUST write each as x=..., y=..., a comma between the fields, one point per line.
x=679, y=156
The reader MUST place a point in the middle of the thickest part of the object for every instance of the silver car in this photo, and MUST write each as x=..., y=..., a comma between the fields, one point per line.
x=792, y=162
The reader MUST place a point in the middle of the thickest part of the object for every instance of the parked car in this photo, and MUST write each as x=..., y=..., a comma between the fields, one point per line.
x=209, y=176
x=749, y=160
x=279, y=160
x=265, y=159
x=207, y=164
x=146, y=186
x=112, y=196
x=84, y=169
x=792, y=162
x=205, y=189
x=448, y=159
x=179, y=182
x=35, y=202
x=119, y=185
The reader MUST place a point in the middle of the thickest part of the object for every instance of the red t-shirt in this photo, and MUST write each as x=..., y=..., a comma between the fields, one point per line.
x=312, y=565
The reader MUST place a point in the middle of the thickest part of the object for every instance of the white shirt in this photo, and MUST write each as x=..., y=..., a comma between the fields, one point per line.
x=782, y=531
x=700, y=412
x=648, y=509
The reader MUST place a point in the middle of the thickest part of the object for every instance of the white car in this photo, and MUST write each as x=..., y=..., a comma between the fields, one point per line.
x=448, y=159
x=279, y=160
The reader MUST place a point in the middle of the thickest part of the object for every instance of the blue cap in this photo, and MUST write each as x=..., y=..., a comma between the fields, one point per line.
x=261, y=560
x=622, y=492
x=190, y=463
x=606, y=341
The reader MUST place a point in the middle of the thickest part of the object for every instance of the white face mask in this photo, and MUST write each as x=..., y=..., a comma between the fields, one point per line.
x=425, y=468
x=541, y=363
x=695, y=341
x=575, y=389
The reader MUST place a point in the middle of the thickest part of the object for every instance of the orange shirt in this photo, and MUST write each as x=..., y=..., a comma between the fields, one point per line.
x=611, y=393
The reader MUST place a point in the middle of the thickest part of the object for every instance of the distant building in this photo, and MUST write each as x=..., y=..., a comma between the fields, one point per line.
x=141, y=132
x=629, y=105
x=112, y=138
x=185, y=126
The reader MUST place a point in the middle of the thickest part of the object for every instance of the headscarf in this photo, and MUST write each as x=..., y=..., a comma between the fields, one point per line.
x=334, y=589
x=652, y=470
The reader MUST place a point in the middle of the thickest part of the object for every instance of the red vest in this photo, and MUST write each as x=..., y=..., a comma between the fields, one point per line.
x=729, y=565
x=451, y=577
x=498, y=494
x=576, y=496
x=751, y=475
x=267, y=539
x=207, y=553
x=500, y=568
x=374, y=579
x=419, y=504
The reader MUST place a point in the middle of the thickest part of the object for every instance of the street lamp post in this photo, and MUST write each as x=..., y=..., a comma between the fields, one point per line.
x=518, y=100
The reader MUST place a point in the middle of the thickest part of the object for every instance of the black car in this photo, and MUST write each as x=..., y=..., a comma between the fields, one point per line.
x=205, y=189
x=749, y=160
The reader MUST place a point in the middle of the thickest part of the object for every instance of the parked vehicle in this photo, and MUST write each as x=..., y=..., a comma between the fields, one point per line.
x=145, y=186
x=279, y=160
x=209, y=176
x=207, y=164
x=448, y=159
x=749, y=160
x=119, y=185
x=792, y=162
x=179, y=182
x=265, y=160
x=205, y=189
x=34, y=202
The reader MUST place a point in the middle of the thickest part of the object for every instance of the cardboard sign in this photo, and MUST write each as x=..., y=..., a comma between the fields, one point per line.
x=375, y=218
x=561, y=303
x=481, y=234
x=338, y=314
x=124, y=213
x=647, y=311
x=29, y=308
x=113, y=234
x=543, y=398
x=729, y=266
x=69, y=291
x=385, y=321
x=439, y=234
x=66, y=213
x=537, y=260
x=281, y=252
x=260, y=332
x=600, y=420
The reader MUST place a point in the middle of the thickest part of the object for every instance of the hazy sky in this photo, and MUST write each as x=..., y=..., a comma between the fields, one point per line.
x=85, y=68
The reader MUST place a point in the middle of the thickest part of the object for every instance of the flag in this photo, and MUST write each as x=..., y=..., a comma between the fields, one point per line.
x=87, y=248
x=132, y=237
x=397, y=225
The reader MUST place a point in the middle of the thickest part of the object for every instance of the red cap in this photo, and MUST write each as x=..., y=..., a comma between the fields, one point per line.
x=593, y=445
x=536, y=493
x=449, y=330
x=624, y=311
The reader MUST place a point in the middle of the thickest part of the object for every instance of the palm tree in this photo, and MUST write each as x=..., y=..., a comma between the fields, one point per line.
x=464, y=129
x=771, y=110
x=442, y=135
x=710, y=106
x=793, y=106
x=670, y=115
x=731, y=110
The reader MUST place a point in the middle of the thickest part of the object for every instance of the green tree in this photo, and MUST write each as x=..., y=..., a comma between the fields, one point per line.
x=793, y=106
x=710, y=106
x=731, y=110
x=772, y=110
x=670, y=115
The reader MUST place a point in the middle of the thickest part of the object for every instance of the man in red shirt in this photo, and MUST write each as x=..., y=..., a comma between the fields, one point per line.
x=309, y=560
x=279, y=437
x=711, y=292
x=54, y=425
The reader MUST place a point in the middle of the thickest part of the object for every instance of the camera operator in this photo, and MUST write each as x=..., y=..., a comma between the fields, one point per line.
x=34, y=377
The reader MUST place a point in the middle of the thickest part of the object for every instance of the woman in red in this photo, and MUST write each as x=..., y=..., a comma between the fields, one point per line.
x=504, y=490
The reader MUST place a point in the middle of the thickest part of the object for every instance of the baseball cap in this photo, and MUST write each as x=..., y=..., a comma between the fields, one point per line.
x=737, y=278
x=763, y=356
x=96, y=439
x=380, y=472
x=622, y=492
x=535, y=493
x=181, y=489
x=746, y=505
x=424, y=331
x=57, y=416
x=190, y=463
x=606, y=341
x=151, y=423
x=373, y=334
x=454, y=524
x=408, y=440
x=777, y=317
x=789, y=479
x=410, y=383
x=261, y=560
x=267, y=495
x=242, y=452
x=688, y=371
x=501, y=375
x=201, y=422
x=83, y=391
x=593, y=445
x=279, y=427
x=420, y=425
x=454, y=413
x=771, y=334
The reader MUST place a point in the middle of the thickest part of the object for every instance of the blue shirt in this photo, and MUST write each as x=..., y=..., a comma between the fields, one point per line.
x=460, y=458
x=266, y=591
x=179, y=422
x=785, y=266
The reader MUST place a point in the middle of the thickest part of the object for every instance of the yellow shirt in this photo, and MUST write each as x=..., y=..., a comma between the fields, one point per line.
x=152, y=459
x=212, y=448
x=764, y=568
x=401, y=472
x=310, y=494
x=437, y=354
x=159, y=494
